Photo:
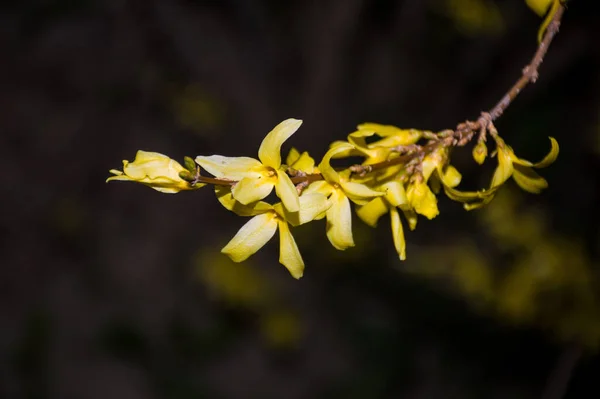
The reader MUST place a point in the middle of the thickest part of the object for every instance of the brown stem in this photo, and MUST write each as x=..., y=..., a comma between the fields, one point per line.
x=464, y=132
x=530, y=72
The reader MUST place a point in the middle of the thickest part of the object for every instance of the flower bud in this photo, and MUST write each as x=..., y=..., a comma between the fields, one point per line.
x=480, y=152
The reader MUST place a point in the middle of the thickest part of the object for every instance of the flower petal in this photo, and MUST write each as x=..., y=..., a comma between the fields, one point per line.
x=286, y=191
x=304, y=163
x=372, y=211
x=398, y=233
x=312, y=206
x=325, y=167
x=450, y=176
x=466, y=196
x=528, y=180
x=548, y=159
x=395, y=193
x=360, y=193
x=422, y=200
x=411, y=217
x=289, y=255
x=232, y=168
x=251, y=189
x=292, y=157
x=339, y=221
x=251, y=237
x=269, y=152
x=505, y=167
x=226, y=199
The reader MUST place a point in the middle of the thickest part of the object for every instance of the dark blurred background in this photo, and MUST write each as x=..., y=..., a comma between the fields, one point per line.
x=118, y=291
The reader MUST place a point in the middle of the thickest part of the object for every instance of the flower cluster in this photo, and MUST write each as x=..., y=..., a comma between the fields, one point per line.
x=401, y=173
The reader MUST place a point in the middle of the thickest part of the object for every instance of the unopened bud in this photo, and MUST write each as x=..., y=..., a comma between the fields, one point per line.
x=189, y=164
x=185, y=175
x=480, y=152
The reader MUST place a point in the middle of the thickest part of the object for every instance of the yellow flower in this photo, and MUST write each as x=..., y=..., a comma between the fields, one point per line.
x=340, y=190
x=422, y=200
x=155, y=170
x=394, y=199
x=301, y=162
x=257, y=178
x=267, y=219
x=420, y=197
x=382, y=149
x=521, y=170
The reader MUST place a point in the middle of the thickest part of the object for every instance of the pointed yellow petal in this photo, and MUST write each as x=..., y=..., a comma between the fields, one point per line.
x=398, y=233
x=450, y=176
x=311, y=206
x=232, y=168
x=339, y=221
x=251, y=237
x=289, y=255
x=422, y=200
x=325, y=167
x=372, y=211
x=528, y=180
x=146, y=156
x=251, y=189
x=399, y=136
x=547, y=161
x=466, y=196
x=226, y=199
x=411, y=217
x=286, y=191
x=292, y=157
x=504, y=169
x=304, y=163
x=360, y=193
x=395, y=193
x=162, y=166
x=269, y=152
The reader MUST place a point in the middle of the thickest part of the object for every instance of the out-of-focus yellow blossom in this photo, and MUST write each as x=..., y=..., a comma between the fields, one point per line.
x=257, y=178
x=155, y=170
x=340, y=190
x=521, y=170
x=266, y=220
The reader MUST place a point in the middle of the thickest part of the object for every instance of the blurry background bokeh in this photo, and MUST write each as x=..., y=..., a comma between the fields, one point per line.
x=118, y=291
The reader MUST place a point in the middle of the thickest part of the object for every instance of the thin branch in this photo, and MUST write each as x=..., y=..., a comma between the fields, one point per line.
x=530, y=72
x=464, y=132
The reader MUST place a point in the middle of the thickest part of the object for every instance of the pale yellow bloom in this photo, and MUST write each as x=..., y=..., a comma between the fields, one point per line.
x=521, y=170
x=301, y=162
x=155, y=170
x=378, y=150
x=257, y=178
x=395, y=199
x=266, y=220
x=340, y=190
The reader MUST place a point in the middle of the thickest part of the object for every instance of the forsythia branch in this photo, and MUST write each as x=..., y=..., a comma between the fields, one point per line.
x=402, y=172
